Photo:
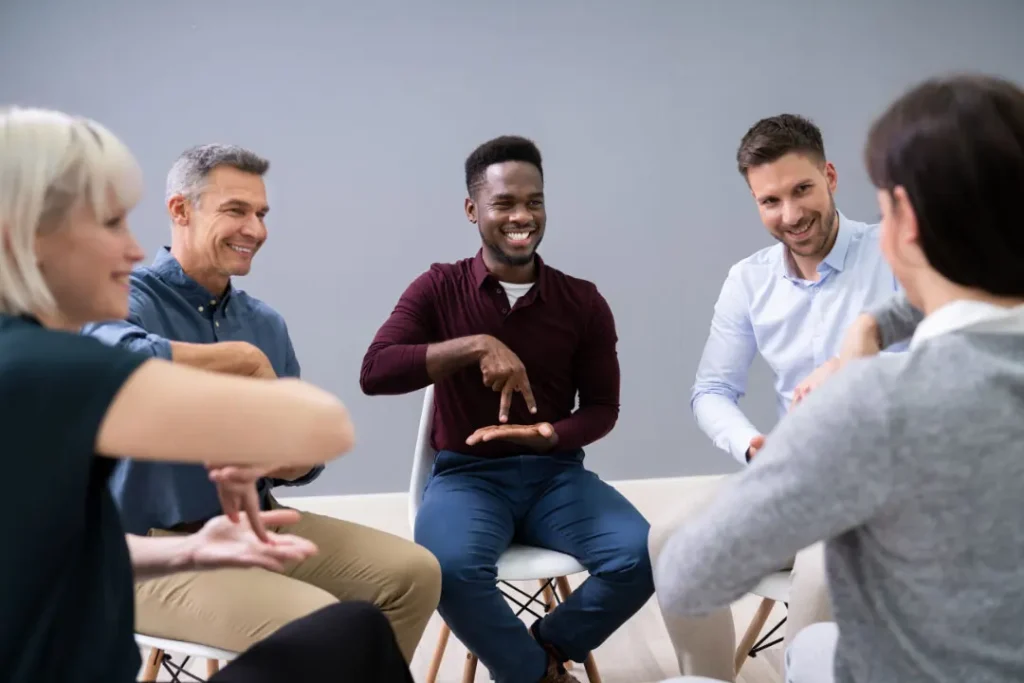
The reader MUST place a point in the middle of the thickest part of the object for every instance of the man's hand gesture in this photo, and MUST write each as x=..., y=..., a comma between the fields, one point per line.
x=503, y=371
x=236, y=488
x=540, y=437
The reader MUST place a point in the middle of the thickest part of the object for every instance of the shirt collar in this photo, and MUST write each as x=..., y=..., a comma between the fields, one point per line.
x=973, y=316
x=836, y=257
x=481, y=274
x=168, y=269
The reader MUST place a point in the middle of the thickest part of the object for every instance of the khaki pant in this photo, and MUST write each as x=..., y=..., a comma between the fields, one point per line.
x=706, y=645
x=234, y=608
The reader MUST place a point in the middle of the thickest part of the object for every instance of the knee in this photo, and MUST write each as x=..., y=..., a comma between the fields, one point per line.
x=458, y=566
x=630, y=561
x=419, y=576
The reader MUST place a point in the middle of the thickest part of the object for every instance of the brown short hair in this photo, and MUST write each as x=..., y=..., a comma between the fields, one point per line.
x=772, y=138
x=956, y=145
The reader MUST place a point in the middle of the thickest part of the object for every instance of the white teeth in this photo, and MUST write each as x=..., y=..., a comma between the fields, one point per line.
x=240, y=250
x=516, y=236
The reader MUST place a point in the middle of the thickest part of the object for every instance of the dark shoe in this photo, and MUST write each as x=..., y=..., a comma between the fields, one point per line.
x=556, y=673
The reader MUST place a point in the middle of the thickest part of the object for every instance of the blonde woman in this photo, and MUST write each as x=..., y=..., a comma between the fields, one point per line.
x=70, y=406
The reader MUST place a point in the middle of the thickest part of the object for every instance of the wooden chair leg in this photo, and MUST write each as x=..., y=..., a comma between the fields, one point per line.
x=764, y=610
x=152, y=667
x=212, y=667
x=549, y=594
x=469, y=671
x=435, y=661
x=589, y=665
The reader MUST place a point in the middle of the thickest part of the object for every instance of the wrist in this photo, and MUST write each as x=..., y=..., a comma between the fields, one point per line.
x=478, y=346
x=182, y=555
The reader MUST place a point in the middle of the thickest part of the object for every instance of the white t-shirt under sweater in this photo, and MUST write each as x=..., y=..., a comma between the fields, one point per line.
x=514, y=291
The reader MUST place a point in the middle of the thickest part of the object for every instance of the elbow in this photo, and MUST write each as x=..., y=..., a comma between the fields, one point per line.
x=369, y=383
x=370, y=380
x=610, y=420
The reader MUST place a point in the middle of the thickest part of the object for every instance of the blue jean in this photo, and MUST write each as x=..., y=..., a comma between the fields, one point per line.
x=474, y=508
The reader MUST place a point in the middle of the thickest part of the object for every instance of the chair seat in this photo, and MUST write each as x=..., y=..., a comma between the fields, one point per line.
x=527, y=563
x=774, y=587
x=180, y=647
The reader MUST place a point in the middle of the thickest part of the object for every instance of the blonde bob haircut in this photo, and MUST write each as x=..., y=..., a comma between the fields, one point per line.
x=50, y=161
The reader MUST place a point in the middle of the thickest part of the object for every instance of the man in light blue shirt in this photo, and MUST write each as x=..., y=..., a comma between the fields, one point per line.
x=792, y=303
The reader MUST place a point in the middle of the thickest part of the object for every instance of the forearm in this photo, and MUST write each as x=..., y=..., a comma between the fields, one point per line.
x=446, y=357
x=724, y=422
x=585, y=426
x=155, y=557
x=403, y=368
x=233, y=358
x=749, y=531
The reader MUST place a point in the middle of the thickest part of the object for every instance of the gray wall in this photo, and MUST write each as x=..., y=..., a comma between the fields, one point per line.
x=368, y=109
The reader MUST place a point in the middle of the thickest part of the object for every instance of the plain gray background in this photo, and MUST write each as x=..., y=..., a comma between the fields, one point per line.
x=367, y=111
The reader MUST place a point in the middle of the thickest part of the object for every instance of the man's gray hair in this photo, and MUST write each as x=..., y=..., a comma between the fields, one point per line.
x=188, y=174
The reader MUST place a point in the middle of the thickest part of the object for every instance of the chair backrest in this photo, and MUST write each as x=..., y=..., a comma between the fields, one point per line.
x=422, y=457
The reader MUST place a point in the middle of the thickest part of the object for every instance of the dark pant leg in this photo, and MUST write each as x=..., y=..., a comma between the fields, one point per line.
x=350, y=642
x=467, y=520
x=580, y=515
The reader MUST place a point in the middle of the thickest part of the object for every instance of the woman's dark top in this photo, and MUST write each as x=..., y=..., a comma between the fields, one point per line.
x=66, y=584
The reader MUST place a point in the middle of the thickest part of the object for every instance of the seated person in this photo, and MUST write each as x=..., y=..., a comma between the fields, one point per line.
x=508, y=342
x=184, y=308
x=69, y=406
x=790, y=303
x=907, y=465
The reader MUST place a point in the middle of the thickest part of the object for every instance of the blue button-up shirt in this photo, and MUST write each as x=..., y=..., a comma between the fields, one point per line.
x=795, y=324
x=167, y=305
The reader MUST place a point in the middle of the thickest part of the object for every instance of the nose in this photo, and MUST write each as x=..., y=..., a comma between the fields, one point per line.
x=792, y=214
x=255, y=229
x=134, y=253
x=521, y=215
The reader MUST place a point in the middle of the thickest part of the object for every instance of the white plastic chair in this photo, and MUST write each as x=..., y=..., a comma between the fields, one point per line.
x=518, y=563
x=158, y=655
x=772, y=588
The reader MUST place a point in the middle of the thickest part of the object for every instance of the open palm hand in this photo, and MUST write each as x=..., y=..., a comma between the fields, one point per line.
x=223, y=543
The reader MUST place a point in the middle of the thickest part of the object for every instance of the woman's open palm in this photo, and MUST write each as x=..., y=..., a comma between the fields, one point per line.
x=224, y=543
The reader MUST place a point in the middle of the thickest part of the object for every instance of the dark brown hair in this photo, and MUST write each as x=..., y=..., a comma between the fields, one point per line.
x=956, y=145
x=770, y=139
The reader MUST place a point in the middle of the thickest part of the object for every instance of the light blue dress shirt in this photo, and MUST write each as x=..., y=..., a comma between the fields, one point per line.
x=166, y=305
x=796, y=325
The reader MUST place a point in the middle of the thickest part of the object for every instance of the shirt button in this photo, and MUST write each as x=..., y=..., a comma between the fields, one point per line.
x=216, y=324
x=200, y=309
x=213, y=302
x=504, y=310
x=498, y=290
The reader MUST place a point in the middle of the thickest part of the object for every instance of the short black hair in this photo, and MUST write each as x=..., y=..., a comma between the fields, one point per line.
x=772, y=138
x=956, y=145
x=498, y=151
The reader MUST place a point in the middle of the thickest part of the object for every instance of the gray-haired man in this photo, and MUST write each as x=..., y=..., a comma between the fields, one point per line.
x=184, y=308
